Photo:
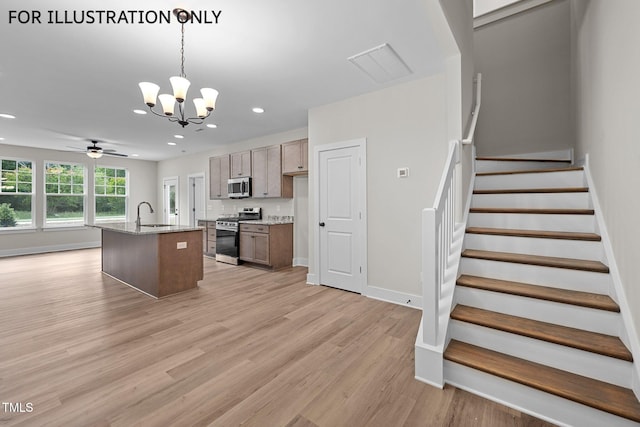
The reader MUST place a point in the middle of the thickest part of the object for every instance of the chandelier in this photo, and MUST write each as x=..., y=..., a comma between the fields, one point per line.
x=204, y=106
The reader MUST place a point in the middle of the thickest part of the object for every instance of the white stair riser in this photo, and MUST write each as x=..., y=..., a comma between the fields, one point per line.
x=532, y=200
x=562, y=278
x=505, y=165
x=575, y=249
x=574, y=178
x=597, y=366
x=528, y=400
x=548, y=222
x=588, y=319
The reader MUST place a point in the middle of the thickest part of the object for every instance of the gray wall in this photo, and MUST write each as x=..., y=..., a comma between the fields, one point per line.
x=525, y=61
x=607, y=66
x=405, y=126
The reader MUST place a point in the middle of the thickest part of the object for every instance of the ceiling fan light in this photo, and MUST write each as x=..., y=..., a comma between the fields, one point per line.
x=149, y=92
x=168, y=103
x=180, y=86
x=209, y=95
x=201, y=108
x=94, y=153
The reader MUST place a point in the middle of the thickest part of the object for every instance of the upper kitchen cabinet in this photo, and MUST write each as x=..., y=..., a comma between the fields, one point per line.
x=266, y=174
x=295, y=158
x=241, y=164
x=218, y=177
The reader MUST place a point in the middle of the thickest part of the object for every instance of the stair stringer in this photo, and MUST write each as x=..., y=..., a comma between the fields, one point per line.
x=628, y=334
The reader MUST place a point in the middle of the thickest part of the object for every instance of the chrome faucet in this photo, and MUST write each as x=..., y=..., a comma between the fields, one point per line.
x=138, y=217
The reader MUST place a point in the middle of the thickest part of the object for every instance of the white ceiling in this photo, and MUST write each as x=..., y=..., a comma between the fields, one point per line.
x=67, y=82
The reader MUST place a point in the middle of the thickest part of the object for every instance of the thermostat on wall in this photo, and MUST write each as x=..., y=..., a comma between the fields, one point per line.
x=403, y=172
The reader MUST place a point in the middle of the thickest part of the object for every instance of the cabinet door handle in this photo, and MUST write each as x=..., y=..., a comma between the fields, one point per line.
x=264, y=194
x=300, y=167
x=321, y=224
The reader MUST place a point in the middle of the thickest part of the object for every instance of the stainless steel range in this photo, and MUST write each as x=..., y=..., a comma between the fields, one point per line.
x=228, y=234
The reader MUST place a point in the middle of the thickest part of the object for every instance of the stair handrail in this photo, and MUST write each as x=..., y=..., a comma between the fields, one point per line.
x=474, y=113
x=438, y=226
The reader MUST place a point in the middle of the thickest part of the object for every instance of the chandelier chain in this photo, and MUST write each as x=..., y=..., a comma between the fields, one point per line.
x=182, y=73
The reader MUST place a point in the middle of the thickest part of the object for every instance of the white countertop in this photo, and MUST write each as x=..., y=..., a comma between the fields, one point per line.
x=131, y=228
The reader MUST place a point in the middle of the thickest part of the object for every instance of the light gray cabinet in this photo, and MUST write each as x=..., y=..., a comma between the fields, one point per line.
x=218, y=177
x=266, y=174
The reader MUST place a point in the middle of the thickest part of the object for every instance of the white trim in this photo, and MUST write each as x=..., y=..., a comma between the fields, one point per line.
x=204, y=195
x=165, y=215
x=630, y=334
x=300, y=262
x=506, y=11
x=361, y=144
x=45, y=249
x=312, y=279
x=394, y=297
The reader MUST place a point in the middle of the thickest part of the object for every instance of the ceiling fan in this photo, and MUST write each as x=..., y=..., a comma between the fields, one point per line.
x=95, y=152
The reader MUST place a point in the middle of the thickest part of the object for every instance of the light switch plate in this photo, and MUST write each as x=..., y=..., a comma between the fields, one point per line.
x=182, y=245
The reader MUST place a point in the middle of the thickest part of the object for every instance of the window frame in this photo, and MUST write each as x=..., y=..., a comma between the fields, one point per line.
x=96, y=195
x=32, y=194
x=46, y=194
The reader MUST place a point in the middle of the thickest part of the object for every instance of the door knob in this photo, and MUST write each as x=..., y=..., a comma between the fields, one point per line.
x=321, y=224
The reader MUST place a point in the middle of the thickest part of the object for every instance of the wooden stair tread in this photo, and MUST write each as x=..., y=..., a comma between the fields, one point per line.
x=579, y=168
x=544, y=261
x=571, y=337
x=517, y=159
x=587, y=391
x=534, y=190
x=546, y=293
x=533, y=211
x=543, y=234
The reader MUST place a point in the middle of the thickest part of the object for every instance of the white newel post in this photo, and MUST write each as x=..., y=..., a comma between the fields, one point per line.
x=430, y=290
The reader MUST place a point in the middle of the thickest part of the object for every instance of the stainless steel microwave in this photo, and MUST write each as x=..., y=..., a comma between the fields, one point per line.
x=239, y=188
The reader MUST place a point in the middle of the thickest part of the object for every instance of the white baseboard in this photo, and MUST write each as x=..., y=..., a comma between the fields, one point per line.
x=312, y=279
x=301, y=262
x=395, y=297
x=53, y=248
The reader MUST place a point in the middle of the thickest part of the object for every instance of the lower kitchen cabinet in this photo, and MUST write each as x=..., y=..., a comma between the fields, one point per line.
x=208, y=236
x=269, y=245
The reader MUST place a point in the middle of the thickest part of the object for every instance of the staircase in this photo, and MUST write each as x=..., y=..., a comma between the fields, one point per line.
x=533, y=325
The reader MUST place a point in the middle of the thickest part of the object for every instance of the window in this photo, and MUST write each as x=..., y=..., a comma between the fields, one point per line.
x=16, y=193
x=64, y=190
x=111, y=194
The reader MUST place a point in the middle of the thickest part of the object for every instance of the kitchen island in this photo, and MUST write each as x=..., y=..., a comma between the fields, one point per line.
x=156, y=259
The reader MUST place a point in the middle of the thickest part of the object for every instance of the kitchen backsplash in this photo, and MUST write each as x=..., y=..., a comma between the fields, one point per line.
x=270, y=207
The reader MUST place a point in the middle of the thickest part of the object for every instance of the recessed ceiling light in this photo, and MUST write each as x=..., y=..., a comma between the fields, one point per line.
x=178, y=136
x=7, y=116
x=141, y=112
x=1, y=139
x=258, y=110
x=171, y=143
x=135, y=155
x=212, y=126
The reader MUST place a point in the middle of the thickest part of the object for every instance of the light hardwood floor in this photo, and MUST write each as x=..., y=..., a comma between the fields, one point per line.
x=247, y=347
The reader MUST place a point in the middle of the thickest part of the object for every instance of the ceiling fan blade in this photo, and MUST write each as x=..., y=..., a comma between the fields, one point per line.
x=115, y=154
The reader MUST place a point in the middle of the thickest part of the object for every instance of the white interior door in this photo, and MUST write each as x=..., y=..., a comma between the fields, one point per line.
x=339, y=216
x=196, y=199
x=170, y=201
